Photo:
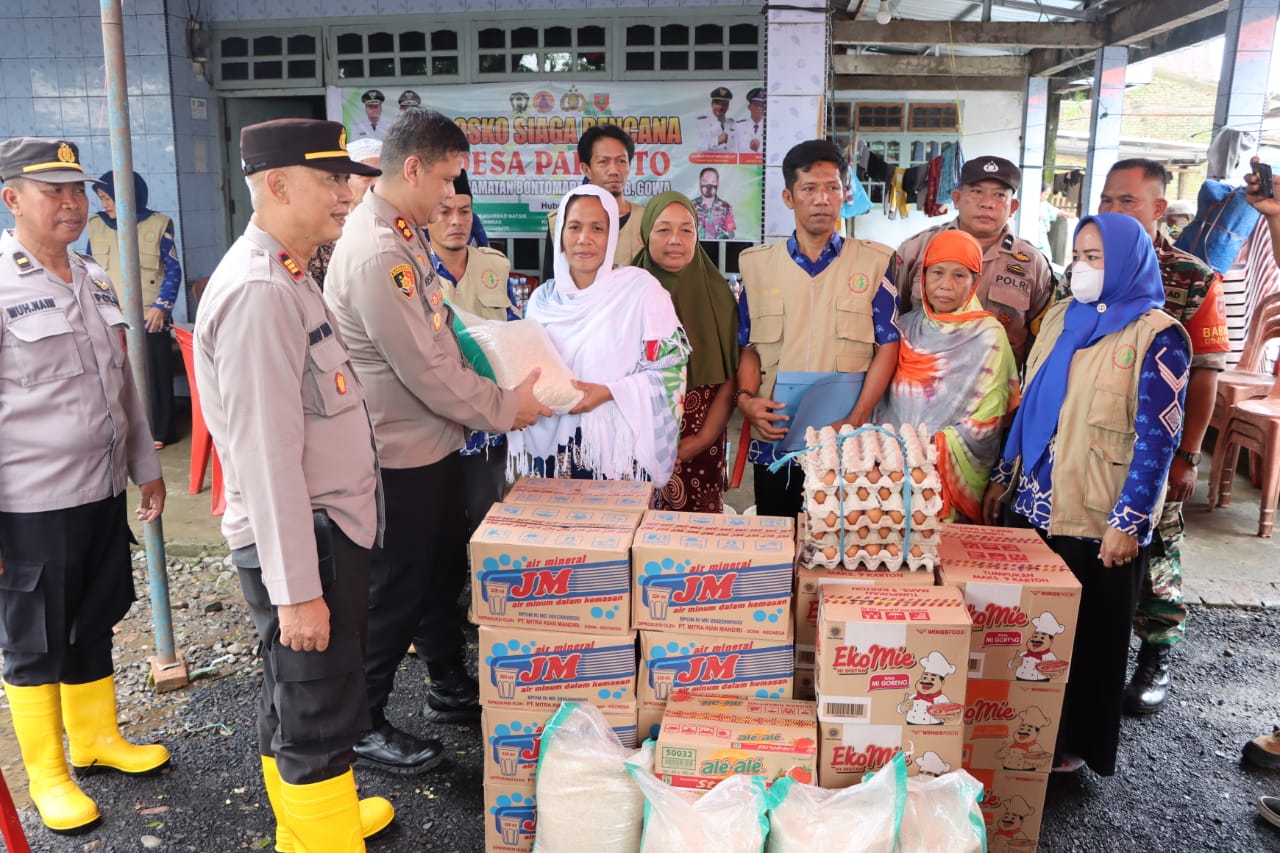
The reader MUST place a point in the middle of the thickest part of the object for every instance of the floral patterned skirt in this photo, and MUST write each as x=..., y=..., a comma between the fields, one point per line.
x=698, y=484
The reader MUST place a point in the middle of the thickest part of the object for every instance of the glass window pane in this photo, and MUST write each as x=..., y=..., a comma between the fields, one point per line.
x=590, y=36
x=382, y=43
x=493, y=63
x=444, y=40
x=444, y=65
x=526, y=64
x=272, y=70
x=708, y=60
x=413, y=66
x=639, y=61
x=413, y=42
x=235, y=47
x=491, y=37
x=268, y=46
x=744, y=34
x=235, y=71
x=557, y=37
x=744, y=60
x=675, y=34
x=301, y=45
x=350, y=68
x=385, y=67
x=557, y=62
x=301, y=68
x=640, y=35
x=591, y=62
x=675, y=60
x=705, y=34
x=350, y=43
x=524, y=37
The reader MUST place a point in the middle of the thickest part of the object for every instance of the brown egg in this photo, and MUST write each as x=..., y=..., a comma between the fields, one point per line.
x=874, y=515
x=885, y=492
x=917, y=551
x=873, y=476
x=831, y=520
x=820, y=497
x=830, y=552
x=852, y=517
x=896, y=516
x=872, y=550
x=927, y=494
x=829, y=478
x=895, y=476
x=918, y=475
x=863, y=493
x=885, y=532
x=893, y=550
x=917, y=517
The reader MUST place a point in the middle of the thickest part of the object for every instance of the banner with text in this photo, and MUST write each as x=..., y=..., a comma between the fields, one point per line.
x=524, y=143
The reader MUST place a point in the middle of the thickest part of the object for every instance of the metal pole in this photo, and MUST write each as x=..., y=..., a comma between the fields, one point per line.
x=167, y=668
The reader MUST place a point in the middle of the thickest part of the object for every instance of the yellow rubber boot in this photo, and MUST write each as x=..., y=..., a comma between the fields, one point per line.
x=89, y=713
x=376, y=813
x=323, y=817
x=37, y=722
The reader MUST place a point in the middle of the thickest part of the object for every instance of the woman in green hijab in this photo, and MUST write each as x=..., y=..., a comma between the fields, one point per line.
x=707, y=310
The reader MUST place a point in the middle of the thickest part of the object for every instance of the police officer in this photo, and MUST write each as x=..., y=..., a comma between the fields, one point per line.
x=750, y=132
x=74, y=433
x=372, y=127
x=1017, y=283
x=391, y=310
x=717, y=132
x=409, y=98
x=288, y=418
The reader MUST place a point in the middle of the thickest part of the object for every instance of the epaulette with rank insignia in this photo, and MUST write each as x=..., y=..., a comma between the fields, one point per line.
x=23, y=263
x=291, y=266
x=1007, y=243
x=402, y=225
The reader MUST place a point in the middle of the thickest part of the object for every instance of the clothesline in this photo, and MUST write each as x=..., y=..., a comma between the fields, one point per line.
x=922, y=185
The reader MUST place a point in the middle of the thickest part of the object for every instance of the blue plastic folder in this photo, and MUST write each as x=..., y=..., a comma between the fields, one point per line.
x=813, y=400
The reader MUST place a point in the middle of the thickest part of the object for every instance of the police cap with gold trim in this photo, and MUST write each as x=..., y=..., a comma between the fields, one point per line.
x=991, y=169
x=299, y=142
x=54, y=161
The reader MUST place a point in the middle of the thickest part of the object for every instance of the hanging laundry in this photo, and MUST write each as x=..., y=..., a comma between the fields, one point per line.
x=930, y=204
x=914, y=181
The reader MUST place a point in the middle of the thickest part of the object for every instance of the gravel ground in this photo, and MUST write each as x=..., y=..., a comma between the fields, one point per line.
x=1181, y=785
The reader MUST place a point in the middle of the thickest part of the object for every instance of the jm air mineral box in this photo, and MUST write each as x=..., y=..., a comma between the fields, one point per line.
x=513, y=740
x=523, y=667
x=718, y=666
x=510, y=817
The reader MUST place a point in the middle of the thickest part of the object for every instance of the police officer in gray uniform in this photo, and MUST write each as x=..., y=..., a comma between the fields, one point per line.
x=288, y=417
x=75, y=433
x=390, y=308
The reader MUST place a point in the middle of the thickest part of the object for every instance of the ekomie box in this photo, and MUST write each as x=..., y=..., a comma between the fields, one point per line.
x=704, y=739
x=976, y=543
x=892, y=655
x=1012, y=808
x=848, y=750
x=713, y=574
x=531, y=668
x=553, y=567
x=1011, y=725
x=510, y=817
x=513, y=740
x=717, y=666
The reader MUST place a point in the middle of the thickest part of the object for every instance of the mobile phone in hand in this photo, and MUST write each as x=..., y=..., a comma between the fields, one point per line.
x=1266, y=188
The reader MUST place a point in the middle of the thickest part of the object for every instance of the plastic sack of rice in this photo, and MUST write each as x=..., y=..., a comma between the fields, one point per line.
x=506, y=351
x=862, y=819
x=942, y=815
x=586, y=798
x=727, y=819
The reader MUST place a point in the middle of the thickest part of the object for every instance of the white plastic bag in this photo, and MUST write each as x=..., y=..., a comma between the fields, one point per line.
x=942, y=815
x=506, y=351
x=861, y=819
x=727, y=819
x=586, y=798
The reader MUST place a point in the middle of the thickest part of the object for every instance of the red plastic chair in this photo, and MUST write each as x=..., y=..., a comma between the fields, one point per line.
x=1254, y=425
x=202, y=450
x=10, y=825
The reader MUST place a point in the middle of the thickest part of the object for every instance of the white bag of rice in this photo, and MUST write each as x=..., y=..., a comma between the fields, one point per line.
x=942, y=815
x=727, y=819
x=506, y=351
x=862, y=819
x=586, y=798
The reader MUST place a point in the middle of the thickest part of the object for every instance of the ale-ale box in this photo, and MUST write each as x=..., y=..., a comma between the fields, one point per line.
x=713, y=575
x=513, y=740
x=704, y=739
x=554, y=567
x=892, y=655
x=849, y=750
x=510, y=817
x=531, y=668
x=1011, y=725
x=717, y=666
x=1024, y=618
x=527, y=486
x=1012, y=808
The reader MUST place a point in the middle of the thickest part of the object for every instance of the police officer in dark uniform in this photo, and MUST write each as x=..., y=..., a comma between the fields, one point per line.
x=288, y=417
x=75, y=433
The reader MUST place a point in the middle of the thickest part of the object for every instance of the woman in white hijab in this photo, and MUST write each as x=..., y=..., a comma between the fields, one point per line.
x=618, y=332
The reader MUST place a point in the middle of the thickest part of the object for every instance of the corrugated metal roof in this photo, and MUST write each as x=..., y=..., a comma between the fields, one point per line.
x=970, y=10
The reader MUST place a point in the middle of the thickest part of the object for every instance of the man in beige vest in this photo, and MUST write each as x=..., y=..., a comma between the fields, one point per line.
x=816, y=303
x=475, y=279
x=161, y=278
x=1017, y=283
x=605, y=153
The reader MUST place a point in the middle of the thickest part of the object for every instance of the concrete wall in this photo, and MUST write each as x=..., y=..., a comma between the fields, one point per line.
x=255, y=10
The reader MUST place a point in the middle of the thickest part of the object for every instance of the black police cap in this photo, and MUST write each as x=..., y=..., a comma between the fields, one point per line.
x=299, y=142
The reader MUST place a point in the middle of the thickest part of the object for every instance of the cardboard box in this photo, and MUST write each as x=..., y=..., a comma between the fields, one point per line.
x=513, y=740
x=649, y=723
x=1011, y=725
x=510, y=817
x=553, y=567
x=520, y=667
x=893, y=655
x=809, y=581
x=1024, y=618
x=526, y=486
x=806, y=682
x=704, y=739
x=633, y=506
x=535, y=512
x=1012, y=808
x=713, y=575
x=715, y=666
x=975, y=543
x=848, y=750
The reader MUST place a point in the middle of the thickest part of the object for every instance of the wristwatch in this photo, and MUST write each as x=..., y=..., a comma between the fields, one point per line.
x=1192, y=459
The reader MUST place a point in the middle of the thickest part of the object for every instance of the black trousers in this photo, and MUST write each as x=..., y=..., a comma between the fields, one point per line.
x=781, y=493
x=67, y=580
x=312, y=709
x=160, y=369
x=485, y=474
x=417, y=575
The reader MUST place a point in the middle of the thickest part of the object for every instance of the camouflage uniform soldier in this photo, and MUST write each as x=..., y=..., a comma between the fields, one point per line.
x=715, y=215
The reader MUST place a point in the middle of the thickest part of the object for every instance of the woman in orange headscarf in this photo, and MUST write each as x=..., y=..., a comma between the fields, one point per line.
x=956, y=373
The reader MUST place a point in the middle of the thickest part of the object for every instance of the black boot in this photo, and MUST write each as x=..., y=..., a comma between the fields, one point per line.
x=453, y=696
x=1150, y=685
x=391, y=750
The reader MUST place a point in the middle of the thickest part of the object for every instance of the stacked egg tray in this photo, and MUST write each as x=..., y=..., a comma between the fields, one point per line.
x=859, y=486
